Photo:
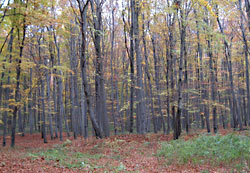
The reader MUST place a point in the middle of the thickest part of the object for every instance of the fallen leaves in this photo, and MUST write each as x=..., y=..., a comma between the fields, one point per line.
x=130, y=152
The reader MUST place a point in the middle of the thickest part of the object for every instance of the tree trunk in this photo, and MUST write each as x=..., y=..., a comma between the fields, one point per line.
x=47, y=73
x=101, y=110
x=31, y=121
x=140, y=90
x=17, y=89
x=227, y=51
x=177, y=122
x=246, y=48
x=132, y=85
x=97, y=129
x=43, y=113
x=213, y=83
x=66, y=107
x=112, y=69
x=150, y=95
x=60, y=108
x=156, y=67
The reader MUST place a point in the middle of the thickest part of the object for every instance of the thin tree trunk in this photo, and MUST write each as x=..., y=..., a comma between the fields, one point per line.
x=66, y=108
x=132, y=85
x=227, y=51
x=7, y=91
x=31, y=121
x=213, y=83
x=112, y=69
x=201, y=76
x=43, y=113
x=156, y=67
x=84, y=115
x=18, y=74
x=5, y=116
x=55, y=105
x=246, y=49
x=60, y=90
x=48, y=101
x=149, y=78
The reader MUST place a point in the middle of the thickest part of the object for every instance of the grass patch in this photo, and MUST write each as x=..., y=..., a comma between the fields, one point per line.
x=63, y=157
x=231, y=150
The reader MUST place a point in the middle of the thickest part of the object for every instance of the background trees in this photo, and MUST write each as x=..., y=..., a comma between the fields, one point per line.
x=139, y=64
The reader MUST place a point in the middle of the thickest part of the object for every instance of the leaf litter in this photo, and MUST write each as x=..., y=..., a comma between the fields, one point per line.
x=122, y=153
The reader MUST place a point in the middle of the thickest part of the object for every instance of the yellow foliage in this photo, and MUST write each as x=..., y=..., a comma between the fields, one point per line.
x=206, y=4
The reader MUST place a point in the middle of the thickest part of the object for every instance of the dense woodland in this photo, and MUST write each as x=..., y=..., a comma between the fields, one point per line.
x=105, y=67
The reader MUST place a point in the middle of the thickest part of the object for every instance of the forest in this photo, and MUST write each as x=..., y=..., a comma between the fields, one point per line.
x=101, y=69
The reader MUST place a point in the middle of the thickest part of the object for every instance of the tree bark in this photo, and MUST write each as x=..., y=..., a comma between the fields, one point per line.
x=101, y=110
x=83, y=24
x=150, y=95
x=31, y=120
x=18, y=74
x=140, y=90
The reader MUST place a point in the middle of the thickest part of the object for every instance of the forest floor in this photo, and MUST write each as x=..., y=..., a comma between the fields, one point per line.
x=122, y=153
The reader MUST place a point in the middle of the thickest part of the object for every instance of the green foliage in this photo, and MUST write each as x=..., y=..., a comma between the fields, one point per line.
x=64, y=158
x=233, y=150
x=121, y=167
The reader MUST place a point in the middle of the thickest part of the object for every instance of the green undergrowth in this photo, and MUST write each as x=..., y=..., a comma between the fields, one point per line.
x=231, y=150
x=62, y=156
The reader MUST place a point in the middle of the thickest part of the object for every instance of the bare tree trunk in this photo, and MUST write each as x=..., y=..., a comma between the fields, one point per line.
x=60, y=108
x=167, y=83
x=186, y=95
x=35, y=110
x=66, y=107
x=18, y=74
x=48, y=100
x=246, y=49
x=112, y=69
x=213, y=83
x=76, y=103
x=150, y=95
x=84, y=115
x=83, y=11
x=227, y=51
x=140, y=90
x=31, y=121
x=170, y=21
x=5, y=116
x=118, y=103
x=39, y=108
x=101, y=110
x=156, y=67
x=43, y=113
x=7, y=91
x=177, y=120
x=131, y=124
x=201, y=77
x=55, y=105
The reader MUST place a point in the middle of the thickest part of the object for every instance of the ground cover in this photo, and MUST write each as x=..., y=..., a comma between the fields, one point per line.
x=196, y=152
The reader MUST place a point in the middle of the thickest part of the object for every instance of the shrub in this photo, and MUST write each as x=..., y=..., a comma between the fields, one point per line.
x=229, y=149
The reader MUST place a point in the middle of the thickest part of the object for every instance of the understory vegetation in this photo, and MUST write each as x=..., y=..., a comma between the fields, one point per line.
x=230, y=150
x=63, y=157
x=196, y=152
x=124, y=86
